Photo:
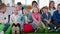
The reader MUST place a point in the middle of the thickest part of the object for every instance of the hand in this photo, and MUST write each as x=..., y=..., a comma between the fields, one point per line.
x=28, y=20
x=48, y=21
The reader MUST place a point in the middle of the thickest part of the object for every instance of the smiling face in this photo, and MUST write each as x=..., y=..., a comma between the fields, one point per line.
x=15, y=10
x=58, y=8
x=34, y=5
x=25, y=12
x=52, y=4
x=35, y=10
x=45, y=10
x=3, y=8
x=19, y=7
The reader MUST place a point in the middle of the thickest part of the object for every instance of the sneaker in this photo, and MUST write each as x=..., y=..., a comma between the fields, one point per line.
x=48, y=28
x=2, y=32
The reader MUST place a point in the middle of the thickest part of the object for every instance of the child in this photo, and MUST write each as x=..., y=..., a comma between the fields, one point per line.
x=20, y=8
x=52, y=7
x=36, y=18
x=25, y=18
x=34, y=5
x=46, y=18
x=4, y=16
x=14, y=21
x=56, y=16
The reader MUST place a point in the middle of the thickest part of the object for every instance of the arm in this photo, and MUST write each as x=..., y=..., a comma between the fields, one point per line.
x=33, y=17
x=55, y=17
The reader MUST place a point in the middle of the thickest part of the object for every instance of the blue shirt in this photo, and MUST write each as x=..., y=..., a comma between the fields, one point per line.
x=45, y=17
x=56, y=16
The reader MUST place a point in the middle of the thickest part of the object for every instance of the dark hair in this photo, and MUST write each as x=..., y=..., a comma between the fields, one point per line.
x=0, y=1
x=50, y=6
x=59, y=4
x=19, y=3
x=2, y=5
x=34, y=2
x=45, y=7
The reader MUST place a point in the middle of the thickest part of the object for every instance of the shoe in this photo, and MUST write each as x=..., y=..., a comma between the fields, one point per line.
x=48, y=28
x=2, y=32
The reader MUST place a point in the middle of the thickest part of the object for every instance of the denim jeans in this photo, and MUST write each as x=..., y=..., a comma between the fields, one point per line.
x=6, y=27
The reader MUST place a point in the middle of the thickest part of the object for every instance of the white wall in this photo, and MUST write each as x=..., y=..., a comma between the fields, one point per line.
x=7, y=1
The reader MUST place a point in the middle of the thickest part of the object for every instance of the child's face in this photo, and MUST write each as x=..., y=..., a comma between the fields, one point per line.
x=15, y=11
x=19, y=7
x=45, y=10
x=58, y=8
x=35, y=10
x=3, y=9
x=52, y=4
x=25, y=12
x=34, y=5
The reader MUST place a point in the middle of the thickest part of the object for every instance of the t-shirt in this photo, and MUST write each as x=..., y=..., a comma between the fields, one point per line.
x=4, y=17
x=14, y=18
x=26, y=19
x=20, y=12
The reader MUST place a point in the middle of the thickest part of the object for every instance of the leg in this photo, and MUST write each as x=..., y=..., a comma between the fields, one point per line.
x=13, y=30
x=33, y=25
x=6, y=27
x=17, y=30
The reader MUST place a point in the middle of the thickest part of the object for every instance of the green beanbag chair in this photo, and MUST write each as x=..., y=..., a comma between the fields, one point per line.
x=9, y=30
x=1, y=27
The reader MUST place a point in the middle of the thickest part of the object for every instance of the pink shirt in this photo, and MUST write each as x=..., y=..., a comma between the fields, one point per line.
x=36, y=17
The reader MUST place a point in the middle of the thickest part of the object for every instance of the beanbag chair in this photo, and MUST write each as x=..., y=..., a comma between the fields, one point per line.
x=28, y=28
x=1, y=27
x=9, y=30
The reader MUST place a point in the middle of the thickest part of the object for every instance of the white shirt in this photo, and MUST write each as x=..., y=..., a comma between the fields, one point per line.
x=26, y=19
x=14, y=18
x=4, y=17
x=51, y=11
x=20, y=12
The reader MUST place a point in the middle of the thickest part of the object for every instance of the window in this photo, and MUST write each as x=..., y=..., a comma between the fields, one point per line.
x=43, y=3
x=22, y=1
x=29, y=2
x=56, y=2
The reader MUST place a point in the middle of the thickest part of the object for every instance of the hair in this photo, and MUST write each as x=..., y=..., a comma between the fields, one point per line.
x=19, y=3
x=59, y=4
x=43, y=8
x=38, y=11
x=34, y=2
x=50, y=6
x=0, y=1
x=2, y=5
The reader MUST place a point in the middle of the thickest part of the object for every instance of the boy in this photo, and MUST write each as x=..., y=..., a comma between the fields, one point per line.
x=19, y=7
x=4, y=19
x=56, y=17
x=14, y=21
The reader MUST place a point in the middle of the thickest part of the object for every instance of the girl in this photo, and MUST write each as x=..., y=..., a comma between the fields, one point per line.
x=51, y=7
x=14, y=21
x=36, y=19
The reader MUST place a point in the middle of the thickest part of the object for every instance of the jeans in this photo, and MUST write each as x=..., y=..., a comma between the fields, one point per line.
x=6, y=27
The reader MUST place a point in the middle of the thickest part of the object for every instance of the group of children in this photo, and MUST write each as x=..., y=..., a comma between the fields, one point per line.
x=49, y=16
